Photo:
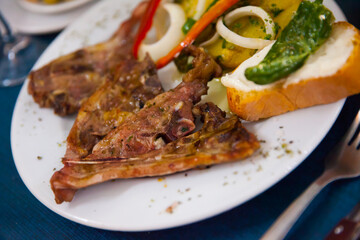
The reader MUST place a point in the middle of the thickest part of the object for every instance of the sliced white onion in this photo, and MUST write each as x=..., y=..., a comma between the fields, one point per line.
x=200, y=9
x=232, y=37
x=253, y=43
x=171, y=38
x=211, y=40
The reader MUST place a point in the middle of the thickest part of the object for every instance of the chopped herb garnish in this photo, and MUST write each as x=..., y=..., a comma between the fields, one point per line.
x=254, y=21
x=188, y=25
x=237, y=25
x=267, y=37
x=275, y=10
x=223, y=44
x=219, y=58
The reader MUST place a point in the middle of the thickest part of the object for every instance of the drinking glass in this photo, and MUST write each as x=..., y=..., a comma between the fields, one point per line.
x=18, y=54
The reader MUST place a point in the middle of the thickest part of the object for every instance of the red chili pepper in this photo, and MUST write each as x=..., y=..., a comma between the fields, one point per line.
x=214, y=12
x=145, y=25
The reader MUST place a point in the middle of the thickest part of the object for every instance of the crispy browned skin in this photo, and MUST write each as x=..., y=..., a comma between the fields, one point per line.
x=165, y=118
x=220, y=140
x=66, y=82
x=123, y=93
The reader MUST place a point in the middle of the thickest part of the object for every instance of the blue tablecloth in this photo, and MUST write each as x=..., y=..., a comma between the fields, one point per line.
x=22, y=216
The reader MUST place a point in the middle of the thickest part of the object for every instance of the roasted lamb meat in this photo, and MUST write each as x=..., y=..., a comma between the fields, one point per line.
x=65, y=83
x=122, y=94
x=220, y=140
x=163, y=119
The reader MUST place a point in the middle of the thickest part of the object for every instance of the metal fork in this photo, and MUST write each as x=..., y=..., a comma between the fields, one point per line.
x=342, y=162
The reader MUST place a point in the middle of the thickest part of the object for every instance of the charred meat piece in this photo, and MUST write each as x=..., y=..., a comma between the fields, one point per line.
x=165, y=118
x=220, y=140
x=123, y=93
x=65, y=83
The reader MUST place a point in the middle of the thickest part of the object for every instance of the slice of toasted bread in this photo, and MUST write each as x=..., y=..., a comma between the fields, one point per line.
x=330, y=74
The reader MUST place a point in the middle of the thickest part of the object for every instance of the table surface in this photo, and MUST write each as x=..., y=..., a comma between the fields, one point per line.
x=22, y=216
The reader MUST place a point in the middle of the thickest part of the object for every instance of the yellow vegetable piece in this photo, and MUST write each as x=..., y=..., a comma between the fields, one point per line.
x=229, y=55
x=189, y=6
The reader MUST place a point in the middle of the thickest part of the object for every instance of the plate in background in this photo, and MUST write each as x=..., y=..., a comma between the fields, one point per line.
x=52, y=8
x=27, y=22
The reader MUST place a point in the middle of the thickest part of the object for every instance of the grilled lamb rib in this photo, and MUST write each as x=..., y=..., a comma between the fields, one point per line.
x=220, y=140
x=163, y=119
x=65, y=83
x=123, y=93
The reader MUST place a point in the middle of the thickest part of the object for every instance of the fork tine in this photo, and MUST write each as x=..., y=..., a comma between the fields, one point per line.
x=351, y=137
x=357, y=138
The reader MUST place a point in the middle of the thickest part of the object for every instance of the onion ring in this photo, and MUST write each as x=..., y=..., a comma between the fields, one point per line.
x=171, y=38
x=232, y=37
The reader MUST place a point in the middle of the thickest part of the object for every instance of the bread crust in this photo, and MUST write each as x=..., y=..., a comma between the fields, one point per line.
x=255, y=105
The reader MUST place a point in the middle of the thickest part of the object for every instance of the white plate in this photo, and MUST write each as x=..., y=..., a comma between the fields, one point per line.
x=27, y=22
x=140, y=204
x=51, y=8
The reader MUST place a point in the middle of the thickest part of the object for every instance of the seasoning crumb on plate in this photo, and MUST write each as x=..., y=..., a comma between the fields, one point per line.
x=172, y=207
